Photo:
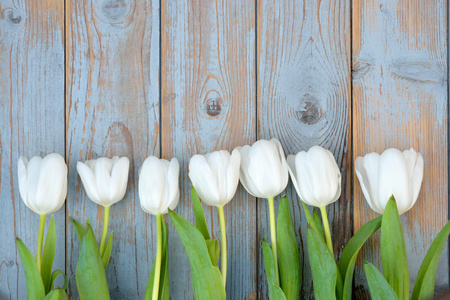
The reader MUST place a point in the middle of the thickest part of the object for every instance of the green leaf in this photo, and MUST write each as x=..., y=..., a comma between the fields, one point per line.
x=206, y=278
x=347, y=261
x=48, y=256
x=35, y=286
x=424, y=286
x=275, y=292
x=55, y=274
x=288, y=253
x=379, y=287
x=58, y=294
x=310, y=220
x=323, y=267
x=80, y=230
x=163, y=292
x=108, y=249
x=213, y=250
x=90, y=273
x=200, y=221
x=318, y=223
x=393, y=251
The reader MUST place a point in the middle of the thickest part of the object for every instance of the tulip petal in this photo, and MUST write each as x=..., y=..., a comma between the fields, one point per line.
x=414, y=162
x=151, y=185
x=119, y=179
x=32, y=178
x=204, y=179
x=22, y=177
x=102, y=173
x=232, y=175
x=89, y=183
x=367, y=172
x=284, y=173
x=173, y=175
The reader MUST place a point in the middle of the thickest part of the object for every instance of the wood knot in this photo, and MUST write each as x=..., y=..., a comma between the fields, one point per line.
x=309, y=112
x=214, y=107
x=114, y=10
x=13, y=16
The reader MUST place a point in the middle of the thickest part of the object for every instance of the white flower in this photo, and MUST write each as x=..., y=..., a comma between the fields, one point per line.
x=215, y=176
x=105, y=180
x=43, y=182
x=264, y=171
x=158, y=185
x=392, y=173
x=316, y=176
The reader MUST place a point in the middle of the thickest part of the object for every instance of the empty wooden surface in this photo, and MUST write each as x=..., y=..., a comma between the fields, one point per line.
x=174, y=78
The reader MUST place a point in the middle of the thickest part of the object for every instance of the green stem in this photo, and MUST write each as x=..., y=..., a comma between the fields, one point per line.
x=105, y=230
x=273, y=237
x=40, y=241
x=326, y=227
x=158, y=258
x=223, y=244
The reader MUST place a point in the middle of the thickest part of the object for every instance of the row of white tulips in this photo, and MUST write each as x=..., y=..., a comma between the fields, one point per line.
x=262, y=169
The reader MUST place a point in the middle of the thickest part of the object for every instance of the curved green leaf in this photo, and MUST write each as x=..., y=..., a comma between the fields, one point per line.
x=213, y=250
x=55, y=274
x=311, y=221
x=318, y=222
x=275, y=292
x=90, y=273
x=323, y=267
x=206, y=279
x=48, y=256
x=393, y=251
x=79, y=229
x=379, y=287
x=108, y=249
x=35, y=286
x=57, y=294
x=424, y=286
x=288, y=253
x=347, y=261
x=200, y=221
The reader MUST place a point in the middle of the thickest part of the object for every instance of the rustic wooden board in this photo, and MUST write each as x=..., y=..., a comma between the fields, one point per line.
x=303, y=100
x=31, y=102
x=208, y=103
x=400, y=100
x=113, y=109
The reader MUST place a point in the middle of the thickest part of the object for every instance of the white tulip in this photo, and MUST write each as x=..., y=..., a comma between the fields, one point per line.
x=392, y=173
x=158, y=185
x=215, y=176
x=264, y=171
x=105, y=180
x=316, y=176
x=43, y=182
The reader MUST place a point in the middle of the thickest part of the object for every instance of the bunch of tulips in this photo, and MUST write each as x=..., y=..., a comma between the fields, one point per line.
x=390, y=183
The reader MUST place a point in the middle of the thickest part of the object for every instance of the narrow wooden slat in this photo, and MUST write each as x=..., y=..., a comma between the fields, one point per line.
x=303, y=93
x=208, y=103
x=113, y=109
x=31, y=123
x=400, y=100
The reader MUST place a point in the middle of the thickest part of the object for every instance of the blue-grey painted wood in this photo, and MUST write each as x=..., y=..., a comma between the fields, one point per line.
x=31, y=123
x=208, y=103
x=303, y=100
x=400, y=100
x=113, y=109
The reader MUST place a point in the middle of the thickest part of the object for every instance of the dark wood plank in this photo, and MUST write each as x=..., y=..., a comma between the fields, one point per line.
x=113, y=109
x=31, y=123
x=303, y=100
x=400, y=100
x=208, y=103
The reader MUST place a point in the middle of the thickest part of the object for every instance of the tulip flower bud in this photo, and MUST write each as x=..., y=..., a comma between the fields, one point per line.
x=215, y=176
x=43, y=182
x=158, y=185
x=316, y=176
x=392, y=173
x=105, y=180
x=264, y=171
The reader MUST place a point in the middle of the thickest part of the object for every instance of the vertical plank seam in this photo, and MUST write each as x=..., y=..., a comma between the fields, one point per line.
x=66, y=228
x=350, y=138
x=160, y=79
x=256, y=136
x=448, y=137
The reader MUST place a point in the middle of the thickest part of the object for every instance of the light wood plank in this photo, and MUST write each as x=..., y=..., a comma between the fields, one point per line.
x=303, y=100
x=31, y=123
x=208, y=103
x=400, y=100
x=113, y=109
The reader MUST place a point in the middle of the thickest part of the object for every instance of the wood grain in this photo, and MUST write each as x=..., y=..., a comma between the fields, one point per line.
x=113, y=109
x=208, y=103
x=31, y=123
x=303, y=100
x=400, y=100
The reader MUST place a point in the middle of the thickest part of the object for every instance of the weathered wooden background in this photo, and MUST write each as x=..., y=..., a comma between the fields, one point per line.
x=174, y=78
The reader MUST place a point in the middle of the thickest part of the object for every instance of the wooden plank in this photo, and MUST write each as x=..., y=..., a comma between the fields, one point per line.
x=31, y=102
x=303, y=93
x=400, y=100
x=208, y=103
x=113, y=109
